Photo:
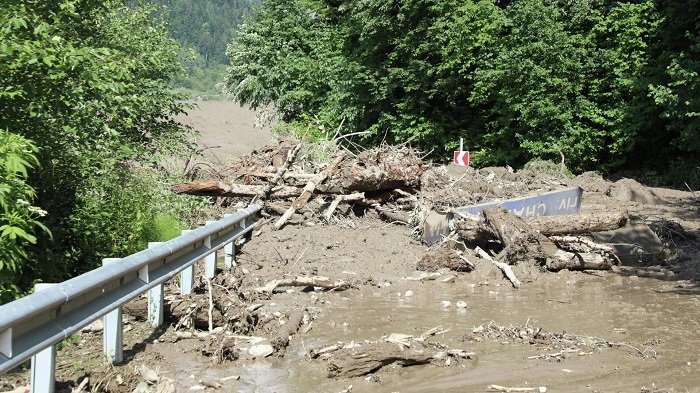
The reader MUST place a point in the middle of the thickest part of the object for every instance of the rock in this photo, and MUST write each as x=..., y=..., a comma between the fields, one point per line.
x=408, y=293
x=261, y=350
x=461, y=304
x=446, y=303
x=142, y=387
x=148, y=375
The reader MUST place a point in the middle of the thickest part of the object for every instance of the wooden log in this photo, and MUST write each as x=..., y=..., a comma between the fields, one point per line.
x=578, y=224
x=304, y=281
x=281, y=340
x=222, y=189
x=579, y=261
x=389, y=215
x=371, y=357
x=342, y=198
x=582, y=223
x=309, y=189
x=505, y=268
x=521, y=242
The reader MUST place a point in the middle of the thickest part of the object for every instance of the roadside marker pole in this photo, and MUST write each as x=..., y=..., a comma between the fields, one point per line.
x=155, y=298
x=209, y=260
x=43, y=366
x=186, y=276
x=112, y=334
x=229, y=252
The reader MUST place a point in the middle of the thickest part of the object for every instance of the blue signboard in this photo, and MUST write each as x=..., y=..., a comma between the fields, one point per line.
x=554, y=203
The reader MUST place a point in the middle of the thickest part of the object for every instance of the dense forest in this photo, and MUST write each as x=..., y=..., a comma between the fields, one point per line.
x=605, y=84
x=203, y=28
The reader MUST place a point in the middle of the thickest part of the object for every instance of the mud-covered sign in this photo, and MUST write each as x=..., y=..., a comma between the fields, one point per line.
x=554, y=203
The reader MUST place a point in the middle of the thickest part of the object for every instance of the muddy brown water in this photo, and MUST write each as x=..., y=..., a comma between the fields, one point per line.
x=614, y=307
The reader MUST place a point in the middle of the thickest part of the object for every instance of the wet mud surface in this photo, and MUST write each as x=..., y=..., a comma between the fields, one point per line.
x=633, y=327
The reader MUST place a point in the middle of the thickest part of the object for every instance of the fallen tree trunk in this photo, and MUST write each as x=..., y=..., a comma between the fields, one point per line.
x=520, y=242
x=280, y=342
x=222, y=189
x=582, y=223
x=579, y=261
x=371, y=357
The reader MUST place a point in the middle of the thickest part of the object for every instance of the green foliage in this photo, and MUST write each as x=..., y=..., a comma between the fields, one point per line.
x=89, y=82
x=600, y=82
x=19, y=219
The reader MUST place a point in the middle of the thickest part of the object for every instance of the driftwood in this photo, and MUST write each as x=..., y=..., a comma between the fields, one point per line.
x=280, y=342
x=291, y=155
x=342, y=198
x=303, y=281
x=371, y=357
x=222, y=189
x=520, y=241
x=505, y=268
x=309, y=189
x=389, y=215
x=471, y=229
x=579, y=261
x=499, y=388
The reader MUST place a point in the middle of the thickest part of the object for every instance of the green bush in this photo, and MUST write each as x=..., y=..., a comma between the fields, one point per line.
x=19, y=218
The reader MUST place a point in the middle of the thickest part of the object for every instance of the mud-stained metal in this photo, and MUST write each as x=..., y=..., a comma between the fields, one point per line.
x=35, y=323
x=554, y=203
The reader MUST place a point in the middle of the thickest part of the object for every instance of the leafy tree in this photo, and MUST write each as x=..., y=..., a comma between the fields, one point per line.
x=19, y=218
x=597, y=81
x=88, y=82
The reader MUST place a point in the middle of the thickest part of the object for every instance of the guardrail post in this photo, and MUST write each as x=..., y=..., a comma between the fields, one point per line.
x=229, y=252
x=113, y=337
x=210, y=260
x=155, y=299
x=43, y=366
x=186, y=276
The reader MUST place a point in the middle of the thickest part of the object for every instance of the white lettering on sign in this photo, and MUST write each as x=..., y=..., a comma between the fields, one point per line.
x=568, y=203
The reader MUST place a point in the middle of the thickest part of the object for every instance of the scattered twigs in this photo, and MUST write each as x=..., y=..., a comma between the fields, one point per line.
x=505, y=268
x=309, y=189
x=304, y=281
x=562, y=342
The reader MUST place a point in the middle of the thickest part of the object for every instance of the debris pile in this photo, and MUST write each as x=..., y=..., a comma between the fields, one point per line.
x=282, y=173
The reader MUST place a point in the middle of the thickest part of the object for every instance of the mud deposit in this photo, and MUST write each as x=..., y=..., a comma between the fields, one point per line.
x=634, y=328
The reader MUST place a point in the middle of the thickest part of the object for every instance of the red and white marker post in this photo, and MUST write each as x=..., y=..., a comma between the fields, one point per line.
x=461, y=157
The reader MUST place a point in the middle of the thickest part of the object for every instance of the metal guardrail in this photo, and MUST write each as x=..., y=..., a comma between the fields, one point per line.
x=37, y=322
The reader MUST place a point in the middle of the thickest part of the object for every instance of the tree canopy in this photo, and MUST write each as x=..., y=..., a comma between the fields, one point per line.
x=84, y=99
x=602, y=83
